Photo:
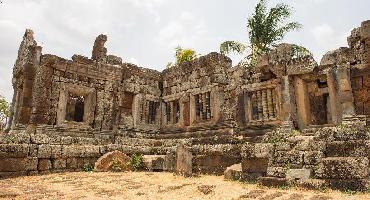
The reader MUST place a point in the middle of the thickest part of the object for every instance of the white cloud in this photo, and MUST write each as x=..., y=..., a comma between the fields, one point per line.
x=327, y=38
x=149, y=30
x=133, y=61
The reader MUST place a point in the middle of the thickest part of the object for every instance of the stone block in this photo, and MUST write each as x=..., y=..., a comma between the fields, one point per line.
x=345, y=167
x=255, y=165
x=66, y=140
x=170, y=162
x=357, y=148
x=154, y=162
x=283, y=146
x=310, y=145
x=73, y=151
x=33, y=150
x=92, y=151
x=289, y=159
x=112, y=161
x=312, y=157
x=279, y=172
x=59, y=163
x=18, y=164
x=233, y=172
x=349, y=184
x=39, y=139
x=56, y=151
x=184, y=164
x=313, y=184
x=71, y=163
x=14, y=150
x=259, y=150
x=44, y=151
x=298, y=174
x=44, y=164
x=16, y=137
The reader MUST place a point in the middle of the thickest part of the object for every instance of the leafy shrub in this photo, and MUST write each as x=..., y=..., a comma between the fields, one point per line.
x=137, y=162
x=119, y=166
x=87, y=168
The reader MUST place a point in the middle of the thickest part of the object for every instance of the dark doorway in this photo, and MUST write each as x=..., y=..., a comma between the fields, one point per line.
x=75, y=108
x=79, y=110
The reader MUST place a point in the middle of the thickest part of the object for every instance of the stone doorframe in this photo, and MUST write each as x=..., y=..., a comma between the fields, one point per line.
x=303, y=103
x=89, y=95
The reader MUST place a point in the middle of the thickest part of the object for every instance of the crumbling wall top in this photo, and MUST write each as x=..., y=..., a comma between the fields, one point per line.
x=99, y=52
x=212, y=63
x=285, y=59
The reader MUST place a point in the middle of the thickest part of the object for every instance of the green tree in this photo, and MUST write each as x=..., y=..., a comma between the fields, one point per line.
x=182, y=55
x=265, y=28
x=4, y=112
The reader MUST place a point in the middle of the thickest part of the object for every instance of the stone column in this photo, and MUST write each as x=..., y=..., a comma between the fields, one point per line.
x=41, y=90
x=303, y=104
x=345, y=92
x=286, y=102
x=264, y=105
x=259, y=105
x=333, y=95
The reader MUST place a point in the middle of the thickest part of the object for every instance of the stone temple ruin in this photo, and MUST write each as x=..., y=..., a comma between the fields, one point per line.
x=286, y=119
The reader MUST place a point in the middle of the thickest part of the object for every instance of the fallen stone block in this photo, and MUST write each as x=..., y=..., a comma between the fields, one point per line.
x=233, y=172
x=154, y=162
x=170, y=162
x=184, y=163
x=113, y=161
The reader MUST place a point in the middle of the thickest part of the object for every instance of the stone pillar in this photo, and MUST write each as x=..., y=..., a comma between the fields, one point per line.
x=345, y=92
x=264, y=105
x=9, y=125
x=41, y=90
x=26, y=97
x=259, y=105
x=286, y=102
x=270, y=105
x=333, y=95
x=303, y=104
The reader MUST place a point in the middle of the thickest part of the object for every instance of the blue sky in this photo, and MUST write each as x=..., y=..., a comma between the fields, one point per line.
x=145, y=32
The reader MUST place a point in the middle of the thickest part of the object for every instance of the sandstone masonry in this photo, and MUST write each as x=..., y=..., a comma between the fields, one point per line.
x=288, y=118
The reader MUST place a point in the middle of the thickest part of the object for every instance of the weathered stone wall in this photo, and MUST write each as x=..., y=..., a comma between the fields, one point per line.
x=285, y=119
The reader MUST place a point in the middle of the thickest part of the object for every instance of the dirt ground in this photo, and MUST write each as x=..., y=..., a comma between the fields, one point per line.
x=145, y=185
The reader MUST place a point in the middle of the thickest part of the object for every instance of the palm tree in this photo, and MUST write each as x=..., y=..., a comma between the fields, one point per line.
x=265, y=29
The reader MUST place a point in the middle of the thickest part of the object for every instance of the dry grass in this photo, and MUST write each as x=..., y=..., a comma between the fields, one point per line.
x=144, y=185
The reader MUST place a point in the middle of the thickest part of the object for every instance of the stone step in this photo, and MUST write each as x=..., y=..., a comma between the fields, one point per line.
x=344, y=168
x=354, y=148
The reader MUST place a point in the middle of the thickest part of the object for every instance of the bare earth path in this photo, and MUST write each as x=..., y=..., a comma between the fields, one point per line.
x=146, y=185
